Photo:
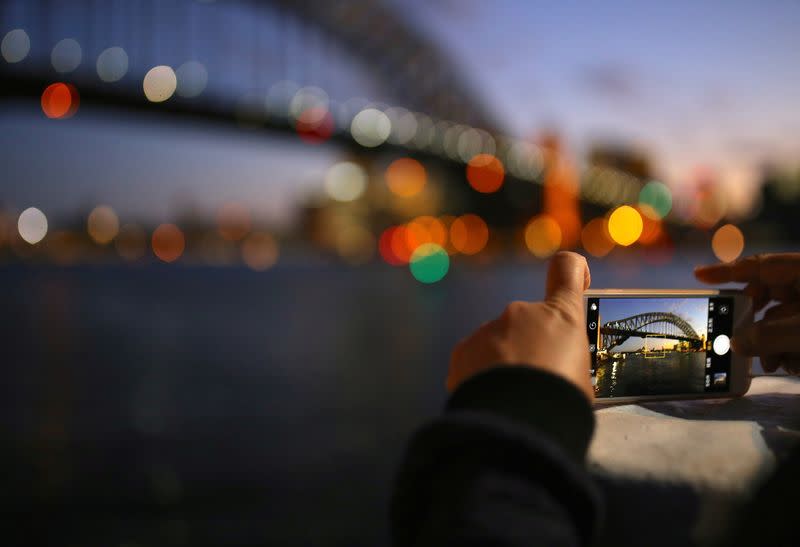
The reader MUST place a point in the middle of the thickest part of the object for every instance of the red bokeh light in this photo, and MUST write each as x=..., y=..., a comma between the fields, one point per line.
x=60, y=100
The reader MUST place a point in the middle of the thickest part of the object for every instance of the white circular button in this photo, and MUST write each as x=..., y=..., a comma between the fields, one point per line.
x=722, y=344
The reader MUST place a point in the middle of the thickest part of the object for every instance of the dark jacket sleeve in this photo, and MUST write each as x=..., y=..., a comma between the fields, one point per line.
x=504, y=467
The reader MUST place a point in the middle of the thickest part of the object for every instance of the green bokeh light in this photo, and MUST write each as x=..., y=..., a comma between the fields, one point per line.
x=658, y=196
x=429, y=263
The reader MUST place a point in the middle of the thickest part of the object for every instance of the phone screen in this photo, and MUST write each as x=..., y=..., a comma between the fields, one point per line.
x=659, y=346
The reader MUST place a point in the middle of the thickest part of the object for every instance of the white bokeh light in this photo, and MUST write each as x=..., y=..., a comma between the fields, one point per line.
x=345, y=181
x=371, y=127
x=112, y=64
x=15, y=45
x=32, y=225
x=159, y=83
x=66, y=55
x=192, y=79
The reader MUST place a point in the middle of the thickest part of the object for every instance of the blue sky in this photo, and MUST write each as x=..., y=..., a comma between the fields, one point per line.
x=694, y=84
x=693, y=310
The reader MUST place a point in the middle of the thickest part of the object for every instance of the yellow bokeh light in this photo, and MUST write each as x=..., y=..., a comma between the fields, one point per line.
x=102, y=224
x=625, y=225
x=727, y=243
x=543, y=236
x=159, y=83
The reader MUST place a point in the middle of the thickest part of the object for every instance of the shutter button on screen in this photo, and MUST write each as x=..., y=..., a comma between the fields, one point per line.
x=722, y=344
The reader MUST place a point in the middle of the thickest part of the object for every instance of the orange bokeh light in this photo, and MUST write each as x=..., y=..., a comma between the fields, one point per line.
x=543, y=236
x=469, y=234
x=60, y=100
x=424, y=230
x=406, y=177
x=596, y=239
x=651, y=224
x=485, y=173
x=168, y=242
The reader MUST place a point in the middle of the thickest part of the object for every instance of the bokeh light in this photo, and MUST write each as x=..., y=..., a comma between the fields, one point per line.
x=102, y=224
x=406, y=177
x=596, y=239
x=15, y=45
x=370, y=127
x=233, y=221
x=66, y=55
x=168, y=242
x=399, y=245
x=657, y=196
x=727, y=243
x=710, y=206
x=625, y=225
x=425, y=229
x=159, y=83
x=112, y=64
x=404, y=125
x=60, y=101
x=385, y=247
x=260, y=251
x=345, y=181
x=469, y=234
x=32, y=225
x=131, y=242
x=192, y=78
x=429, y=263
x=485, y=173
x=651, y=224
x=314, y=125
x=543, y=236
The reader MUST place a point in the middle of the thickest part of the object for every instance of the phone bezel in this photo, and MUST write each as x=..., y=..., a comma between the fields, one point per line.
x=740, y=374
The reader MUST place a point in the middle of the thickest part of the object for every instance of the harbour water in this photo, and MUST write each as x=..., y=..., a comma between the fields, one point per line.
x=269, y=405
x=671, y=372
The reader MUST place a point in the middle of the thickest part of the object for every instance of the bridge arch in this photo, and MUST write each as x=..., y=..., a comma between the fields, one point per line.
x=655, y=324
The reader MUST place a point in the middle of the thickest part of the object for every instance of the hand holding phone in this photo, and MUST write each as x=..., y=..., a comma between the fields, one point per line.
x=769, y=277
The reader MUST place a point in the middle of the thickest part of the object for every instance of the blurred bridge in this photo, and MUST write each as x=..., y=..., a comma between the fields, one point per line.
x=659, y=325
x=267, y=63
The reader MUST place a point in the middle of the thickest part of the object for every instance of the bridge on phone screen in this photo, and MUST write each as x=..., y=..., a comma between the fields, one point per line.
x=650, y=325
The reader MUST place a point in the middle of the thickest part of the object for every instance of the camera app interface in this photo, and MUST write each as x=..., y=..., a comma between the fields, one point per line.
x=659, y=346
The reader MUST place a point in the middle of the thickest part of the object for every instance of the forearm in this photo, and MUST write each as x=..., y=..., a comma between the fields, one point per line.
x=503, y=466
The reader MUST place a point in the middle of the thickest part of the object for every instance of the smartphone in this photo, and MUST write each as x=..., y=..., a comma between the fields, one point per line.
x=665, y=344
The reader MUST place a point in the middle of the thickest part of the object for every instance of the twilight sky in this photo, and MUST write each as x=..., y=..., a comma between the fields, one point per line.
x=694, y=84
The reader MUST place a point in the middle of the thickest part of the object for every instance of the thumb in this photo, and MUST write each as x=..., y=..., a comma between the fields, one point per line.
x=567, y=277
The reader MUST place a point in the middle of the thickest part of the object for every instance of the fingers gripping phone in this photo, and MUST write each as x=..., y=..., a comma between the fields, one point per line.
x=655, y=344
